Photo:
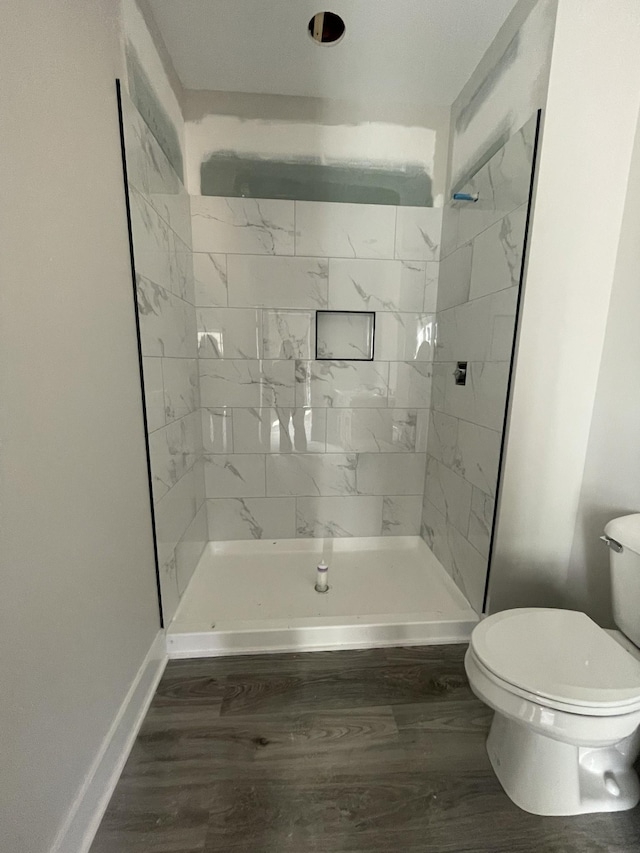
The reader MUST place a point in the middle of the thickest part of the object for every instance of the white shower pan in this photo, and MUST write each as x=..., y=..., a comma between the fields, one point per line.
x=259, y=596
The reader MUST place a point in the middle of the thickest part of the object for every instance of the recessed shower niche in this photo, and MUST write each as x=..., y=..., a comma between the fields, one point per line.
x=345, y=335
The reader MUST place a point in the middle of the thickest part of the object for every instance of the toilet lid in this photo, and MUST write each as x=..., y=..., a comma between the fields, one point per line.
x=557, y=654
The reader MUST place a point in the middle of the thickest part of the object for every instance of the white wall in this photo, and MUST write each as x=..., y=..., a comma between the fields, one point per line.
x=505, y=90
x=78, y=606
x=611, y=484
x=588, y=138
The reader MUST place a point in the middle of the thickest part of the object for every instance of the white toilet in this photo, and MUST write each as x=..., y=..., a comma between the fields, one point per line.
x=566, y=695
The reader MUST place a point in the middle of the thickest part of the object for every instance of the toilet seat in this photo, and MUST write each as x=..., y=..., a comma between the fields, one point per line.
x=559, y=658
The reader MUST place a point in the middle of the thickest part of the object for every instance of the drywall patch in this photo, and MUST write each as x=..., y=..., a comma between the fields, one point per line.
x=502, y=96
x=371, y=145
x=225, y=173
x=486, y=87
x=501, y=135
x=144, y=97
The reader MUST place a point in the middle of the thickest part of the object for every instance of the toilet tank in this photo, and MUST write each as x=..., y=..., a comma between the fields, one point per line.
x=625, y=574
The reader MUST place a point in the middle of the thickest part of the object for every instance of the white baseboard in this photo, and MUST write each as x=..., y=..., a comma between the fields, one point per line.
x=83, y=820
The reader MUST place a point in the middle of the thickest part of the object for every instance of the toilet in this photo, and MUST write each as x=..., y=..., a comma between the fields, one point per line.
x=566, y=695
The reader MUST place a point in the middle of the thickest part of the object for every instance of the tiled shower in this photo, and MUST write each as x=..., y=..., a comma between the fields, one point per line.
x=254, y=433
x=299, y=447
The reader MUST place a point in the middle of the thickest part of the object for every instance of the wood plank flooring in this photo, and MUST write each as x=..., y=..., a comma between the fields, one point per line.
x=377, y=751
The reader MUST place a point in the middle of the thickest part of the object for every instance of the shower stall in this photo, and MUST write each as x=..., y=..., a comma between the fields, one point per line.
x=323, y=381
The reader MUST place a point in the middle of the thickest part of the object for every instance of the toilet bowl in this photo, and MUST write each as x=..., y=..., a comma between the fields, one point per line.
x=566, y=696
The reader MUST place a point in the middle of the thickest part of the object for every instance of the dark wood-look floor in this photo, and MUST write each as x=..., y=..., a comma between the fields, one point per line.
x=379, y=751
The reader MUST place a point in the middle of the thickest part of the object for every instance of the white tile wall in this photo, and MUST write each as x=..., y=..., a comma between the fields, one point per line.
x=324, y=229
x=480, y=266
x=338, y=516
x=274, y=282
x=252, y=518
x=242, y=226
x=290, y=429
x=161, y=229
x=419, y=233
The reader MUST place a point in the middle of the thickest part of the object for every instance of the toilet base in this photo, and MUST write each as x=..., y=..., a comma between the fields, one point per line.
x=549, y=777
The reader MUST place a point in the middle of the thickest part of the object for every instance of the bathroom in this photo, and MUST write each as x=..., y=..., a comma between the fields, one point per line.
x=324, y=289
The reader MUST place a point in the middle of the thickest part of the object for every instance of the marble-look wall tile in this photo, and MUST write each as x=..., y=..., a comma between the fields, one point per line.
x=468, y=568
x=234, y=476
x=430, y=305
x=255, y=384
x=172, y=450
x=342, y=384
x=189, y=549
x=503, y=335
x=278, y=282
x=252, y=518
x=167, y=571
x=242, y=225
x=217, y=430
x=482, y=251
x=482, y=400
x=153, y=392
x=455, y=278
x=159, y=254
x=167, y=323
x=325, y=229
x=433, y=530
x=338, y=517
x=422, y=431
x=449, y=493
x=373, y=430
x=229, y=333
x=404, y=337
x=149, y=171
x=175, y=208
x=481, y=521
x=181, y=387
x=440, y=376
x=210, y=279
x=509, y=170
x=311, y=474
x=443, y=437
x=288, y=334
x=182, y=271
x=390, y=474
x=477, y=456
x=418, y=233
x=401, y=515
x=449, y=241
x=174, y=513
x=377, y=285
x=497, y=255
x=473, y=220
x=153, y=243
x=477, y=330
x=165, y=284
x=198, y=482
x=410, y=384
x=272, y=430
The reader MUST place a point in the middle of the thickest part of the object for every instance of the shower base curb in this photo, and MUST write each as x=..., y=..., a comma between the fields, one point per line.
x=258, y=597
x=236, y=640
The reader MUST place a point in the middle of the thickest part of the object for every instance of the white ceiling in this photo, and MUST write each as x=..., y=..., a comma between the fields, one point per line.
x=409, y=51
